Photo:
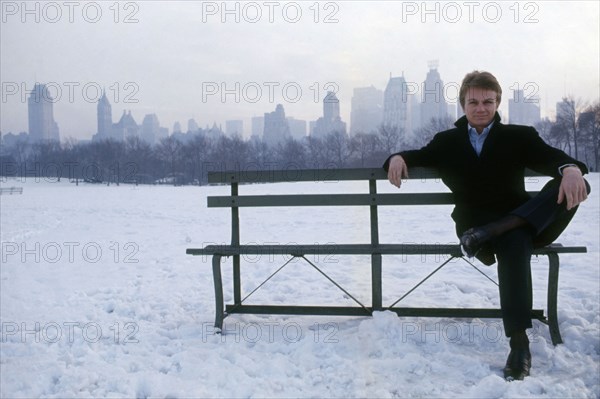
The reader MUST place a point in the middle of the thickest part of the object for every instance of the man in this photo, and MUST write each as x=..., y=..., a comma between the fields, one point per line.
x=482, y=161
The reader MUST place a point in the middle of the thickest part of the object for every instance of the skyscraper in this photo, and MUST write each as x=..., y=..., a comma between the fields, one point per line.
x=331, y=106
x=523, y=110
x=126, y=127
x=42, y=125
x=433, y=103
x=234, y=128
x=192, y=126
x=366, y=110
x=150, y=129
x=104, y=113
x=177, y=127
x=297, y=128
x=258, y=125
x=397, y=105
x=277, y=129
x=331, y=121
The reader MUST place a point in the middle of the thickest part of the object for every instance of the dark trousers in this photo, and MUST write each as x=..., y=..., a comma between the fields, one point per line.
x=546, y=220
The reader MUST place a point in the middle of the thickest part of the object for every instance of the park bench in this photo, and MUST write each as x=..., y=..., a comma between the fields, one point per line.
x=372, y=200
x=11, y=190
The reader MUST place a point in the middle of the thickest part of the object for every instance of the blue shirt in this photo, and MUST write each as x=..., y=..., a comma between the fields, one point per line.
x=477, y=139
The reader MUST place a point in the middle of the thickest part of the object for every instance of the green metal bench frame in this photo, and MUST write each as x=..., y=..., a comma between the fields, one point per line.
x=375, y=249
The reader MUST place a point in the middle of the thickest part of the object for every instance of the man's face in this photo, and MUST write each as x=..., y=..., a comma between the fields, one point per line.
x=480, y=107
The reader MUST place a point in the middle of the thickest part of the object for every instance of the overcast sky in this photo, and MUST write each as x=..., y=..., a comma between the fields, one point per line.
x=193, y=59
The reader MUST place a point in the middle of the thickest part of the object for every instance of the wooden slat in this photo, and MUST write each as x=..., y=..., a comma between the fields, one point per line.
x=358, y=311
x=228, y=201
x=317, y=175
x=329, y=200
x=297, y=175
x=356, y=249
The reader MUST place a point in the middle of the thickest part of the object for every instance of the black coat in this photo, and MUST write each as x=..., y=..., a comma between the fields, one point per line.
x=491, y=185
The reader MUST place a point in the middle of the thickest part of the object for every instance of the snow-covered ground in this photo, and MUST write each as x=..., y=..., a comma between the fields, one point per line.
x=99, y=299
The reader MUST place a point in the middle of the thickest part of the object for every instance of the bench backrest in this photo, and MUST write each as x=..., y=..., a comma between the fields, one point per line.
x=323, y=175
x=371, y=199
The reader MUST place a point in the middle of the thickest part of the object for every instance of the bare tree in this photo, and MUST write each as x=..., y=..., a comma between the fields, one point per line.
x=292, y=154
x=366, y=146
x=195, y=154
x=258, y=152
x=391, y=138
x=425, y=134
x=338, y=148
x=544, y=128
x=316, y=151
x=141, y=162
x=589, y=123
x=567, y=120
x=169, y=151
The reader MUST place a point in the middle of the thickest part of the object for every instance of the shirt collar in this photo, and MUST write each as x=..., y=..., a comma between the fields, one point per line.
x=485, y=131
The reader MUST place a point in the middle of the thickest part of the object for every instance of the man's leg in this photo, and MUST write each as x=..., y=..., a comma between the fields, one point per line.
x=545, y=216
x=536, y=223
x=513, y=250
x=542, y=214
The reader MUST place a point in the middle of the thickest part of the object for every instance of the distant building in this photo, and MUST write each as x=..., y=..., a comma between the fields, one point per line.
x=523, y=110
x=415, y=114
x=163, y=133
x=433, y=104
x=330, y=121
x=192, y=126
x=234, y=127
x=150, y=129
x=214, y=132
x=397, y=105
x=459, y=110
x=9, y=140
x=104, y=114
x=297, y=128
x=453, y=111
x=366, y=110
x=42, y=126
x=176, y=127
x=565, y=109
x=258, y=126
x=311, y=127
x=277, y=129
x=126, y=127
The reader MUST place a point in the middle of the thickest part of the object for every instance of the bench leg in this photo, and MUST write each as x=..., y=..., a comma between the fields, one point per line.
x=376, y=286
x=553, y=298
x=219, y=311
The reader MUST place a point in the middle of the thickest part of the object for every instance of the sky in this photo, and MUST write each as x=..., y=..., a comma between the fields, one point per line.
x=218, y=61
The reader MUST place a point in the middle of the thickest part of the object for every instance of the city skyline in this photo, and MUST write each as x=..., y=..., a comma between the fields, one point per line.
x=184, y=62
x=371, y=109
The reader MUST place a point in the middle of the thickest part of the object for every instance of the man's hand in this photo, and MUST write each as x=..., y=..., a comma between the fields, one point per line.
x=397, y=170
x=572, y=187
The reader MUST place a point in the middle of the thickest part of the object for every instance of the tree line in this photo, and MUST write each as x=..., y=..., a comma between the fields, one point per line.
x=187, y=158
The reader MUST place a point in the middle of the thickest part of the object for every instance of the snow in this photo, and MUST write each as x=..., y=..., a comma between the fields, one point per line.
x=99, y=299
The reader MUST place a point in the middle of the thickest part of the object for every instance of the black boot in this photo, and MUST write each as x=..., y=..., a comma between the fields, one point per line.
x=473, y=239
x=518, y=363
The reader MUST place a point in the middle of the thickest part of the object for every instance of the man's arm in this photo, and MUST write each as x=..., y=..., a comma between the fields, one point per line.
x=397, y=170
x=431, y=155
x=572, y=187
x=554, y=162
